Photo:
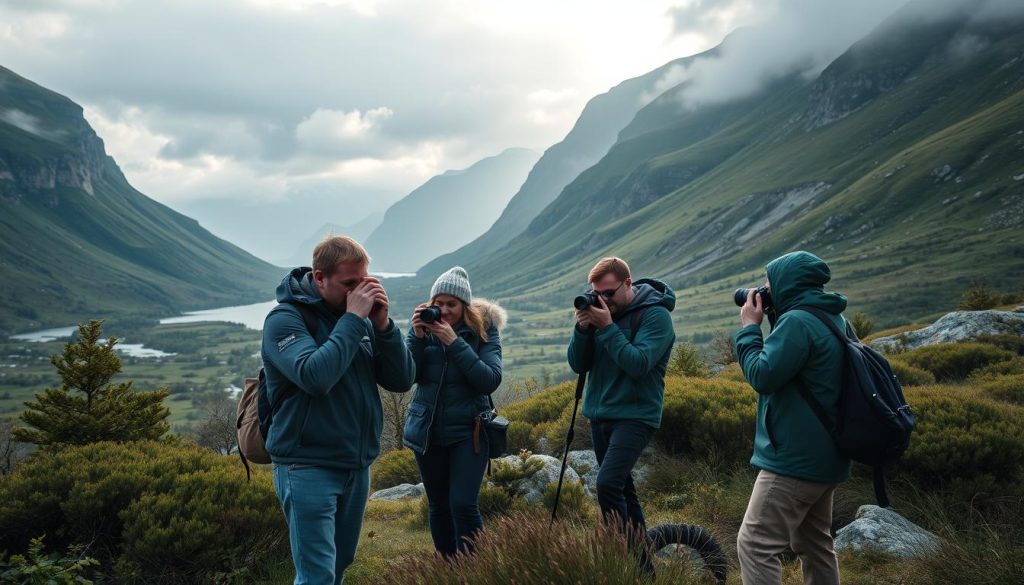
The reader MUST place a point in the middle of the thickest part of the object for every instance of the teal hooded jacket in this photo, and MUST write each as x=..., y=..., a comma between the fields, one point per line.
x=789, y=439
x=331, y=413
x=627, y=380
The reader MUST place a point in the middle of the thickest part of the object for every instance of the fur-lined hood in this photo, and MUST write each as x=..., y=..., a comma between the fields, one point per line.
x=492, y=312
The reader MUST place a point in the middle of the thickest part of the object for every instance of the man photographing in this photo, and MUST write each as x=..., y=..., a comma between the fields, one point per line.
x=326, y=346
x=623, y=337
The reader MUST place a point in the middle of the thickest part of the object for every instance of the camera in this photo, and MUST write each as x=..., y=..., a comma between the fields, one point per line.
x=584, y=300
x=430, y=314
x=741, y=294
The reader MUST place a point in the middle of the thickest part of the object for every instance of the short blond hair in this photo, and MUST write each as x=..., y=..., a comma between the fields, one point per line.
x=611, y=264
x=334, y=250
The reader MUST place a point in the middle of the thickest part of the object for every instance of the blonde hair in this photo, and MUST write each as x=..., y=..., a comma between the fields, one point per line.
x=611, y=264
x=472, y=316
x=334, y=250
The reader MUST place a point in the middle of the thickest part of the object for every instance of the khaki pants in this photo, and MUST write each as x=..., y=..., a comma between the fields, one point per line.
x=785, y=511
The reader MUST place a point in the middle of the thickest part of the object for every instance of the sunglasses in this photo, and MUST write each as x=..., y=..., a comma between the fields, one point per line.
x=608, y=293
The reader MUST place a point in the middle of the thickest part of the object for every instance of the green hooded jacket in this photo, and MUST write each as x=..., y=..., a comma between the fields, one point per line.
x=789, y=439
x=627, y=379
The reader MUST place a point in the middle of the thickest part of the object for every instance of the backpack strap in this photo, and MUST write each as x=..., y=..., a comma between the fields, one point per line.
x=634, y=322
x=878, y=471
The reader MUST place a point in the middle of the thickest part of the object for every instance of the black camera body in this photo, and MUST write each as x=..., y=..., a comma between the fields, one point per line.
x=741, y=294
x=430, y=314
x=584, y=300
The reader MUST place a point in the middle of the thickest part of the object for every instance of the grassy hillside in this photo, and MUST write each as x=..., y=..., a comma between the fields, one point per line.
x=77, y=241
x=911, y=188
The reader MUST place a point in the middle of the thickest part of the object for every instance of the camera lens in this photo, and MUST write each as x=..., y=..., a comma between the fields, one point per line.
x=430, y=314
x=584, y=300
x=740, y=296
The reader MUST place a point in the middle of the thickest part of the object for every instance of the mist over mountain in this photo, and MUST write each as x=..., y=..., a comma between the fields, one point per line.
x=77, y=241
x=447, y=211
x=358, y=231
x=899, y=162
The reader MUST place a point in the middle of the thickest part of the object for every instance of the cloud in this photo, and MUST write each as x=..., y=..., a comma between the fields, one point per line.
x=338, y=132
x=28, y=123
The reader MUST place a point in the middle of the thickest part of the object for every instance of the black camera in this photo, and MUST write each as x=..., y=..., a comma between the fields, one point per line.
x=584, y=300
x=430, y=314
x=741, y=294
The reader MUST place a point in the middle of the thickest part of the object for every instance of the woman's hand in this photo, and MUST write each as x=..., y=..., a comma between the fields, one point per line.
x=442, y=331
x=419, y=328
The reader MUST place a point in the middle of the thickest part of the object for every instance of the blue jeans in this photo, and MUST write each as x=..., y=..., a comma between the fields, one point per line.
x=451, y=477
x=324, y=509
x=618, y=444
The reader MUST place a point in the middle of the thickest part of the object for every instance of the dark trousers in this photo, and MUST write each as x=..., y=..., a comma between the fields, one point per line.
x=618, y=444
x=451, y=477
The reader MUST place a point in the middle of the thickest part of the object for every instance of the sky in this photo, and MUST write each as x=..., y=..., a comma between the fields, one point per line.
x=302, y=112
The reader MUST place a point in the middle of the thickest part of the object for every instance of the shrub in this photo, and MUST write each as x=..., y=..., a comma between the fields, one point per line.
x=954, y=361
x=573, y=502
x=544, y=406
x=207, y=522
x=978, y=298
x=909, y=375
x=732, y=372
x=554, y=432
x=687, y=361
x=519, y=436
x=723, y=350
x=862, y=324
x=1007, y=341
x=964, y=441
x=712, y=418
x=496, y=501
x=394, y=468
x=1005, y=388
x=37, y=568
x=91, y=494
x=997, y=369
x=526, y=550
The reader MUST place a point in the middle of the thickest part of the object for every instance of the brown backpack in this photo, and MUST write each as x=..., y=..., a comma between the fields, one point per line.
x=256, y=413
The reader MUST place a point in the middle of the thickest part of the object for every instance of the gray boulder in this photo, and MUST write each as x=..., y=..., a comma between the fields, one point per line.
x=532, y=488
x=405, y=491
x=584, y=463
x=957, y=326
x=883, y=530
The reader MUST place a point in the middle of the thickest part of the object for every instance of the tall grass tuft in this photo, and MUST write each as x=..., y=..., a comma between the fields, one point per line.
x=523, y=549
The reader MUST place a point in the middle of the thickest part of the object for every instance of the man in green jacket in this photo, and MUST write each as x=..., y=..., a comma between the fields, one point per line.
x=624, y=341
x=800, y=465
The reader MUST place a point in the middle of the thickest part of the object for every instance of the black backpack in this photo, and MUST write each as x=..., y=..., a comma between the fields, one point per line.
x=875, y=421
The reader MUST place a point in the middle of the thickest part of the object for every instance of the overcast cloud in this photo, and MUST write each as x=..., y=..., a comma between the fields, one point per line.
x=235, y=109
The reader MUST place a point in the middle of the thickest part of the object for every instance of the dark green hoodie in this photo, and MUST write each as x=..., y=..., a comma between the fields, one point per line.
x=789, y=438
x=627, y=380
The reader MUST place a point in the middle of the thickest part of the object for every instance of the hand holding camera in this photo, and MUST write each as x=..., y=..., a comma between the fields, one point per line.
x=753, y=303
x=369, y=299
x=593, y=312
x=422, y=315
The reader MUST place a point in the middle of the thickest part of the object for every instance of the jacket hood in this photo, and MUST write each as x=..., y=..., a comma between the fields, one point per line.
x=798, y=279
x=493, y=313
x=649, y=292
x=298, y=286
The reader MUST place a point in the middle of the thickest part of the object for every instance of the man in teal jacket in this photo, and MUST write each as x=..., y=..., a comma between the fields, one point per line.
x=624, y=341
x=791, y=504
x=327, y=413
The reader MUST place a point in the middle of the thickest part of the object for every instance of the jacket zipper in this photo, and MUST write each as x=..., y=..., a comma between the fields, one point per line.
x=440, y=387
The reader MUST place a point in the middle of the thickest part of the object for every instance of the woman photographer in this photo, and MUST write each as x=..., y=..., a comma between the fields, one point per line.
x=455, y=343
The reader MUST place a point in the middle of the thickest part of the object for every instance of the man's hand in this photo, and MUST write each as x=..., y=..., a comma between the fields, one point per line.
x=419, y=328
x=752, y=312
x=442, y=331
x=600, y=316
x=368, y=299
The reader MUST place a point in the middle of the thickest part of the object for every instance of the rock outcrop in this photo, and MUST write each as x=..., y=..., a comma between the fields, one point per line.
x=957, y=326
x=883, y=530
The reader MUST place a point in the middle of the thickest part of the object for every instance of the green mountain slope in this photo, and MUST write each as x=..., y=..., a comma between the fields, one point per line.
x=77, y=241
x=902, y=164
x=447, y=211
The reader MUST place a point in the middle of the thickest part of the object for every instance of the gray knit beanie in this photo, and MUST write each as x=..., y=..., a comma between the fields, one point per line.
x=455, y=282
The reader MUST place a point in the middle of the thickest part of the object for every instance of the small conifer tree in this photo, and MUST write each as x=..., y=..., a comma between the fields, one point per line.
x=87, y=408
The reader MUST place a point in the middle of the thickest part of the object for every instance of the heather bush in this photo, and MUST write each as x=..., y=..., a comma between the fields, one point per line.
x=732, y=372
x=909, y=375
x=862, y=324
x=1005, y=388
x=394, y=468
x=709, y=418
x=964, y=442
x=978, y=298
x=993, y=371
x=546, y=405
x=954, y=361
x=573, y=503
x=127, y=500
x=1007, y=341
x=524, y=549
